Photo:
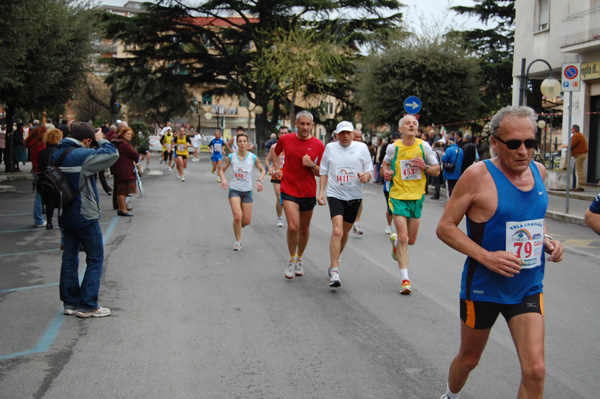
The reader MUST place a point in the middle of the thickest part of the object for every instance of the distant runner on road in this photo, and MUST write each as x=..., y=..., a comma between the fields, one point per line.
x=274, y=179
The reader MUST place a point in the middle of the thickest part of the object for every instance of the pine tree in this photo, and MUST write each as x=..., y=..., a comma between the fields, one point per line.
x=494, y=47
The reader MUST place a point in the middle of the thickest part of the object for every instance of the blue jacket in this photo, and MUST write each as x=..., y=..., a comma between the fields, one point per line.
x=79, y=166
x=451, y=156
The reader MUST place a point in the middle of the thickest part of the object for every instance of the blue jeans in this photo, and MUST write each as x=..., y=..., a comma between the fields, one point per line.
x=38, y=216
x=85, y=296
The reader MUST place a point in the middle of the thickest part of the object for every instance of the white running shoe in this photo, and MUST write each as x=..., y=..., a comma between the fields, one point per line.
x=170, y=169
x=182, y=179
x=298, y=269
x=388, y=230
x=279, y=222
x=356, y=229
x=218, y=180
x=237, y=246
x=100, y=312
x=289, y=270
x=334, y=280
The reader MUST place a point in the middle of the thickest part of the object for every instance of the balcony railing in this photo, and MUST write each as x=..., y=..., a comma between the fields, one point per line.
x=581, y=27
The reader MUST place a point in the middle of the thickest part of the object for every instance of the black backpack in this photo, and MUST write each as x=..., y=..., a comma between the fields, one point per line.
x=53, y=186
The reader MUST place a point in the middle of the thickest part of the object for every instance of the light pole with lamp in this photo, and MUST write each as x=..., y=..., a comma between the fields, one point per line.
x=550, y=87
x=258, y=110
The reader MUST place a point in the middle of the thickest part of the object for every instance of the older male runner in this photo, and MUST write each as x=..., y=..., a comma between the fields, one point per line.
x=345, y=167
x=303, y=154
x=406, y=164
x=505, y=202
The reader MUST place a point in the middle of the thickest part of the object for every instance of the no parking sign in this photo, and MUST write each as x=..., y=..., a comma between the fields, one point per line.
x=571, y=77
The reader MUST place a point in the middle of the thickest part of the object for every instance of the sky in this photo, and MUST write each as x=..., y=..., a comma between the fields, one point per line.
x=433, y=13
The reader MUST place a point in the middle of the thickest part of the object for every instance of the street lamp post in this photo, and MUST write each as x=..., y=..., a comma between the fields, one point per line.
x=550, y=87
x=258, y=111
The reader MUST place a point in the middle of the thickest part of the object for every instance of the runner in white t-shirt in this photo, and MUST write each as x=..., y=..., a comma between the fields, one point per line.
x=240, y=188
x=196, y=143
x=345, y=166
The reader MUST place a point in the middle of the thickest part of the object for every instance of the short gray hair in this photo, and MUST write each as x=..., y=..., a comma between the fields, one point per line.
x=510, y=111
x=402, y=120
x=304, y=113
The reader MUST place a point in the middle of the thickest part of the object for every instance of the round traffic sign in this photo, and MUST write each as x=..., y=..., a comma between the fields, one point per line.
x=571, y=72
x=412, y=104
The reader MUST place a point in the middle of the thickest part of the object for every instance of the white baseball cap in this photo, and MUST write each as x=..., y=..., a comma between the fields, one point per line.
x=344, y=126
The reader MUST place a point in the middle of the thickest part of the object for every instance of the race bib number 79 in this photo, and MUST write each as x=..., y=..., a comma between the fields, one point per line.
x=526, y=240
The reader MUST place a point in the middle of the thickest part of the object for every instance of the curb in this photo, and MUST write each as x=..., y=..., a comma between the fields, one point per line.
x=8, y=189
x=15, y=176
x=588, y=196
x=565, y=217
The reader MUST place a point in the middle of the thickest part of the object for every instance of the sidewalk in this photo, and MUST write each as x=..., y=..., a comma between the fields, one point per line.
x=579, y=202
x=6, y=178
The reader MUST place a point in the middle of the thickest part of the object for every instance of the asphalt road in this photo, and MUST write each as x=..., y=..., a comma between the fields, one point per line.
x=194, y=319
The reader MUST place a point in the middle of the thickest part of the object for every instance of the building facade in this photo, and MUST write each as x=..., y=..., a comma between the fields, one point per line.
x=209, y=112
x=562, y=32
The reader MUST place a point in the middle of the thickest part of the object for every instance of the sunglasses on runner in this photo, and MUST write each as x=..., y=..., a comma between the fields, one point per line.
x=515, y=144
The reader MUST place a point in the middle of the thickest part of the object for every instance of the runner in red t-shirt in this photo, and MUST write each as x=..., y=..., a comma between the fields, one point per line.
x=303, y=154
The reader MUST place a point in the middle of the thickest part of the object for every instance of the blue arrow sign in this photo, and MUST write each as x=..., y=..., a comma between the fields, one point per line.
x=412, y=105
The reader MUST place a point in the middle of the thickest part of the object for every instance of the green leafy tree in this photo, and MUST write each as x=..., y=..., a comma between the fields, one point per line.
x=156, y=98
x=301, y=57
x=218, y=51
x=91, y=99
x=44, y=46
x=441, y=75
x=494, y=47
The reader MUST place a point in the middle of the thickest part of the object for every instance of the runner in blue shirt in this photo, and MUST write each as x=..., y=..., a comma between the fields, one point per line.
x=216, y=150
x=504, y=201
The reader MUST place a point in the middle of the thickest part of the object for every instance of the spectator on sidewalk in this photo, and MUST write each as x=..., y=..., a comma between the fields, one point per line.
x=438, y=148
x=579, y=151
x=453, y=155
x=19, y=151
x=123, y=169
x=469, y=151
x=35, y=143
x=483, y=147
x=51, y=139
x=79, y=220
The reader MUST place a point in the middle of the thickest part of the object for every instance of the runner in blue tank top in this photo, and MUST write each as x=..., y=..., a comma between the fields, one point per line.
x=505, y=202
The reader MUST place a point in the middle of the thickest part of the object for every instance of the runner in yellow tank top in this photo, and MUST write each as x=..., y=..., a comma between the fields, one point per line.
x=182, y=142
x=406, y=162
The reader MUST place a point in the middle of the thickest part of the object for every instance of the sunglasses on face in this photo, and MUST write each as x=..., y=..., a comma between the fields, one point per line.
x=515, y=144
